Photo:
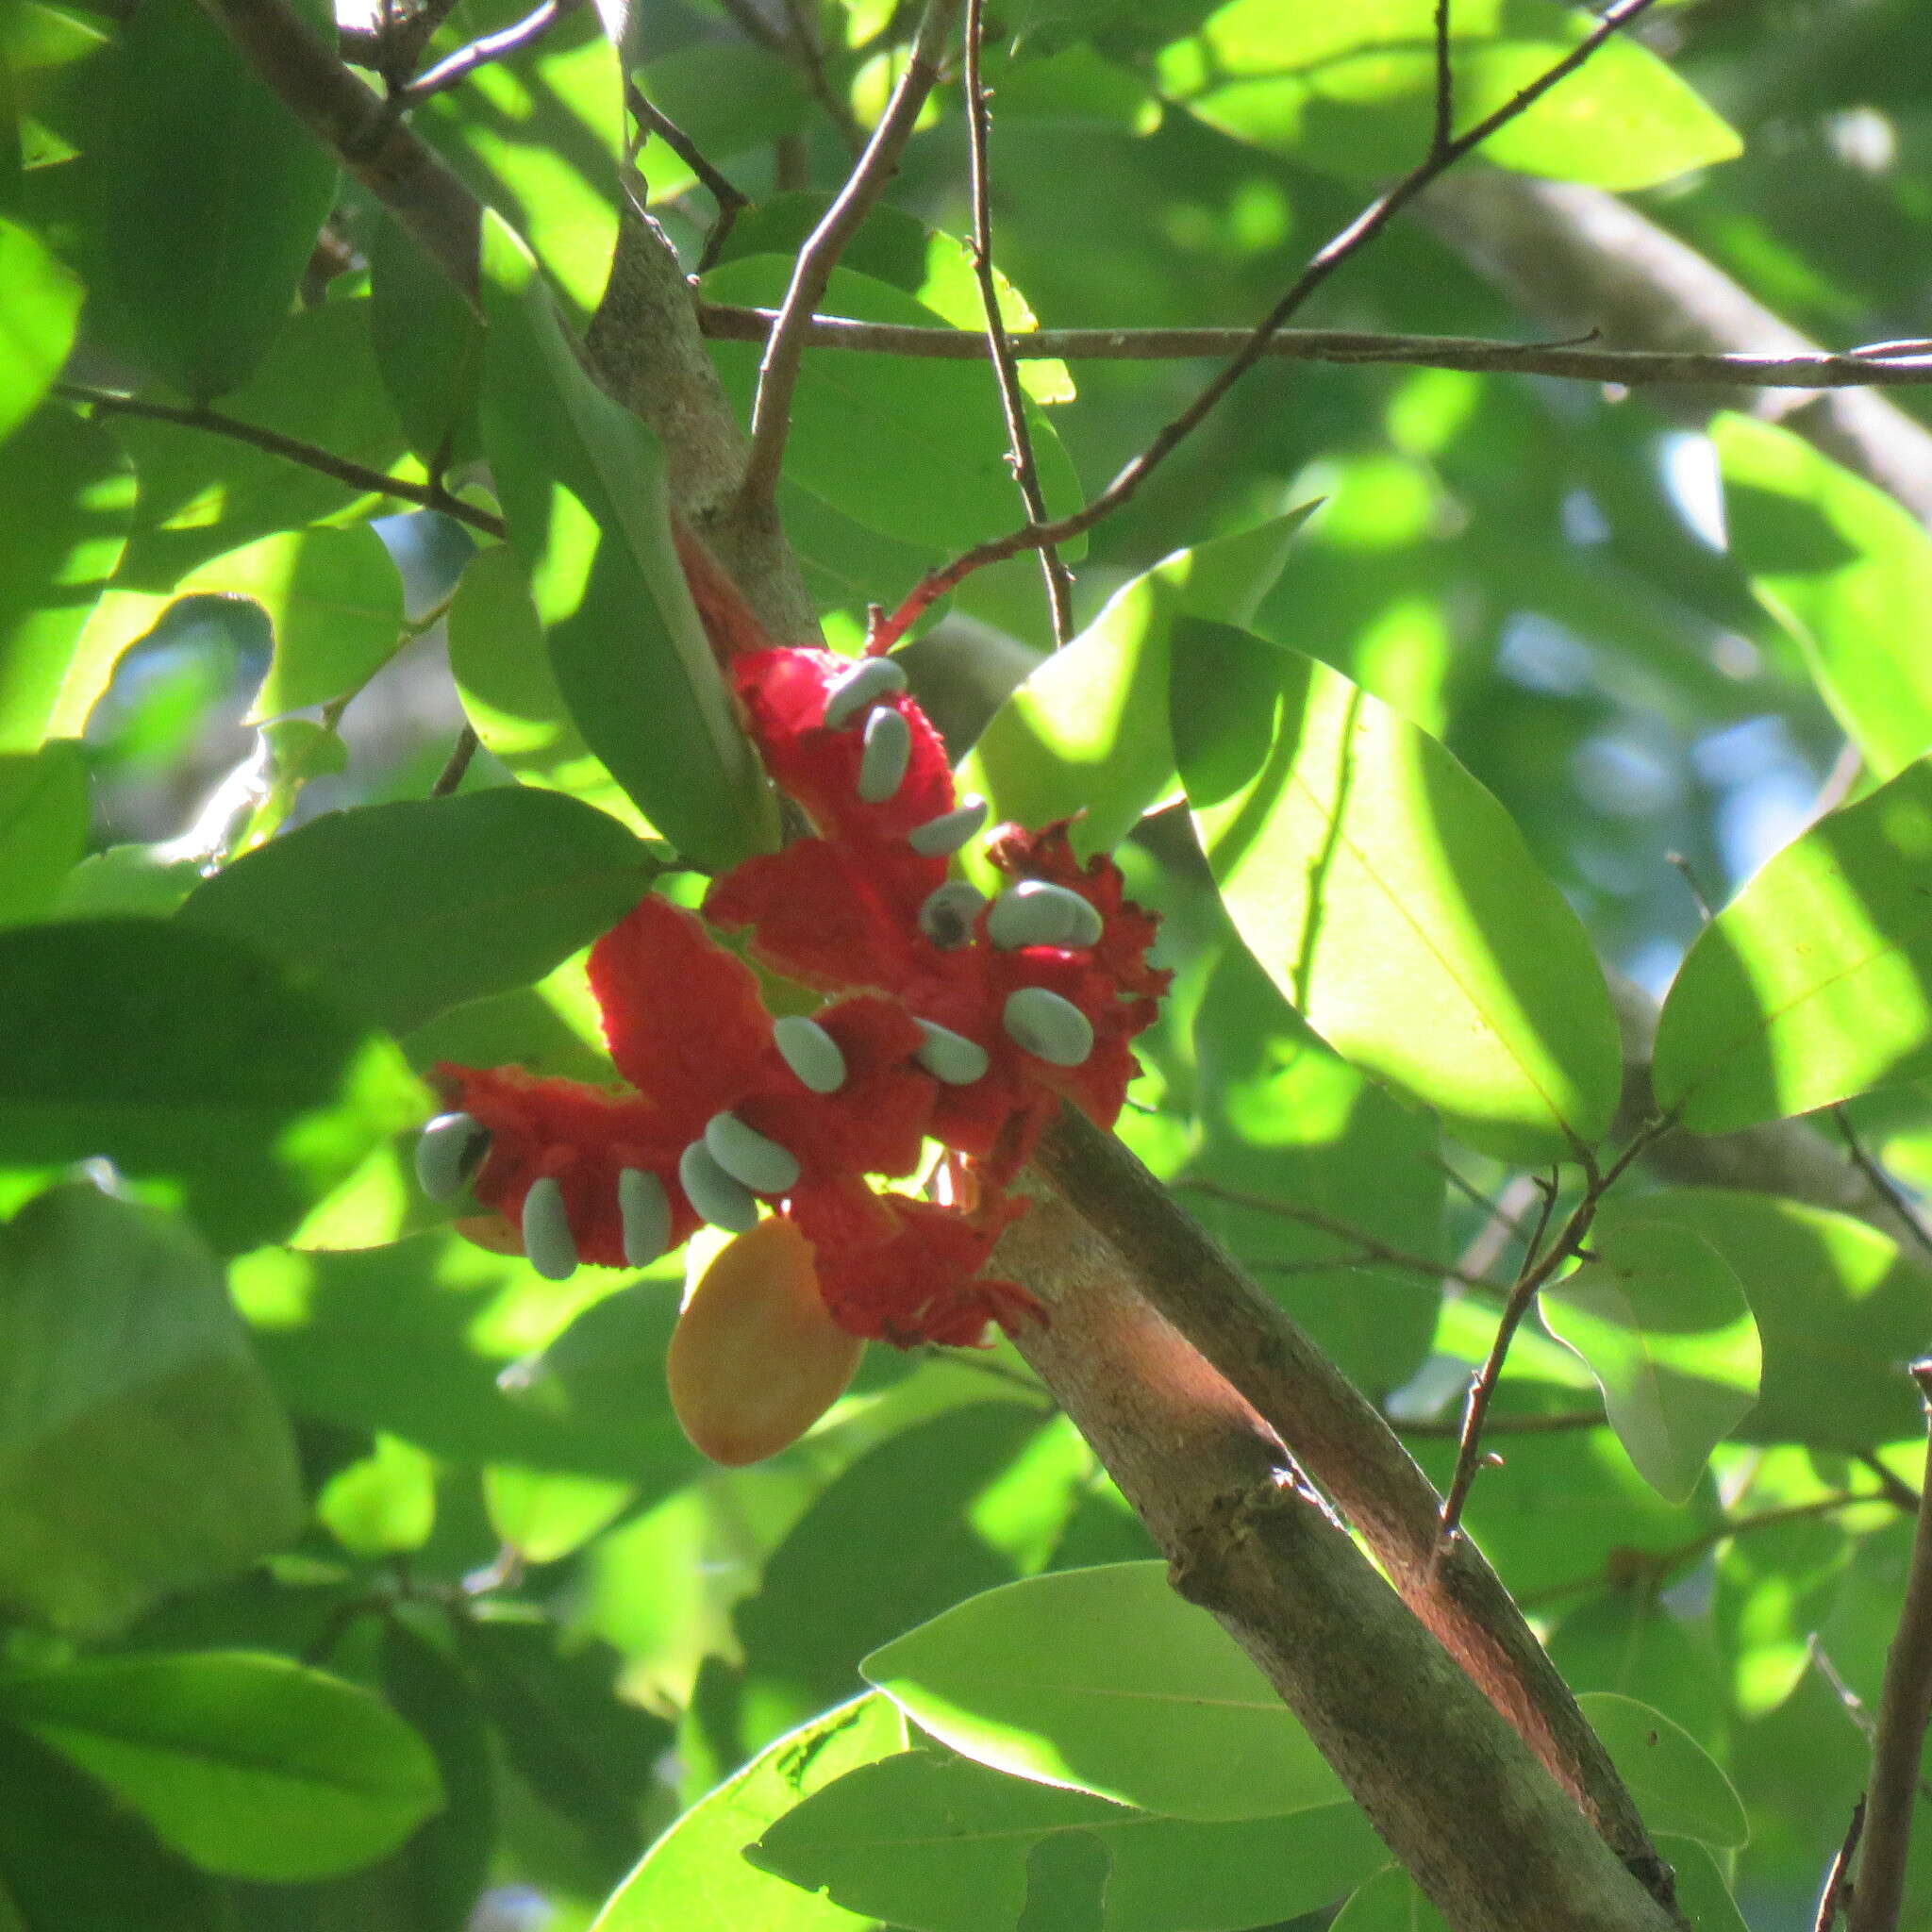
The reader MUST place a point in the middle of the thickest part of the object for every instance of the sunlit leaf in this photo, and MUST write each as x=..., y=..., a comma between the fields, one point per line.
x=1677, y=1785
x=384, y=1502
x=542, y=1515
x=43, y=824
x=1391, y=899
x=43, y=302
x=1658, y=1315
x=1815, y=982
x=1105, y=1681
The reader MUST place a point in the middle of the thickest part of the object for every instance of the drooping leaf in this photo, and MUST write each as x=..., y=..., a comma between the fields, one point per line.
x=143, y=1451
x=1677, y=1785
x=1352, y=90
x=44, y=818
x=695, y=1877
x=943, y=1843
x=583, y=485
x=249, y=1764
x=187, y=1058
x=402, y=910
x=211, y=194
x=1847, y=572
x=1105, y=1681
x=1815, y=982
x=1391, y=899
x=1658, y=1315
x=42, y=304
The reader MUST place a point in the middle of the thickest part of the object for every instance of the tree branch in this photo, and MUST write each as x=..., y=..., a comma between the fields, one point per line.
x=457, y=67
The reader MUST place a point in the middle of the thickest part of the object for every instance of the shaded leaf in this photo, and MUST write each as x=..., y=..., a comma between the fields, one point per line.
x=1390, y=1902
x=429, y=345
x=1677, y=1785
x=44, y=820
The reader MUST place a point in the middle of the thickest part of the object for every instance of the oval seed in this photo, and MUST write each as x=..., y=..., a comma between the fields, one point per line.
x=810, y=1051
x=940, y=837
x=713, y=1193
x=750, y=1157
x=951, y=1057
x=947, y=915
x=1047, y=1026
x=548, y=1243
x=1037, y=913
x=863, y=685
x=646, y=1211
x=448, y=1153
x=888, y=752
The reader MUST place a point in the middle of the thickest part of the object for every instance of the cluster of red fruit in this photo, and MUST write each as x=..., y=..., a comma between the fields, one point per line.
x=954, y=1019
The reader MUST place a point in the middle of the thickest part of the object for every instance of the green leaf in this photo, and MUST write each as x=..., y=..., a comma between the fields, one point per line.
x=382, y=1503
x=543, y=1515
x=1815, y=982
x=694, y=1877
x=1677, y=1784
x=35, y=332
x=44, y=820
x=1847, y=572
x=140, y=879
x=1390, y=1902
x=1088, y=731
x=186, y=1058
x=1352, y=90
x=1702, y=1896
x=727, y=95
x=510, y=693
x=1658, y=1315
x=1391, y=899
x=143, y=1451
x=252, y=1766
x=944, y=1844
x=211, y=196
x=66, y=500
x=934, y=472
x=402, y=910
x=429, y=345
x=1105, y=1681
x=583, y=486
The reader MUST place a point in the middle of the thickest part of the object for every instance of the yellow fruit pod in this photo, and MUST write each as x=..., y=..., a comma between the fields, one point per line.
x=756, y=1359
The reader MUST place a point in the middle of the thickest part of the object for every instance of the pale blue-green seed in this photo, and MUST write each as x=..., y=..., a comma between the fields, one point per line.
x=888, y=752
x=751, y=1159
x=1047, y=1026
x=863, y=685
x=645, y=1208
x=448, y=1153
x=941, y=837
x=713, y=1193
x=1039, y=913
x=947, y=915
x=810, y=1051
x=951, y=1057
x=548, y=1243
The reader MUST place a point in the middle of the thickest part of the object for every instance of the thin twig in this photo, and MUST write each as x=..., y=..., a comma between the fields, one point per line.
x=809, y=57
x=1559, y=1422
x=771, y=419
x=1326, y=259
x=730, y=202
x=754, y=24
x=1059, y=582
x=354, y=475
x=453, y=773
x=1445, y=83
x=457, y=67
x=1831, y=1901
x=1902, y=1204
x=1905, y=1705
x=1896, y=1489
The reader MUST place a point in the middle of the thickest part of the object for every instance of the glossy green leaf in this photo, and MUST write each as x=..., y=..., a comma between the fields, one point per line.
x=250, y=1765
x=1390, y=1902
x=695, y=1877
x=1088, y=732
x=211, y=194
x=1677, y=1785
x=402, y=910
x=44, y=822
x=1815, y=982
x=140, y=879
x=188, y=1058
x=543, y=1515
x=1847, y=572
x=66, y=500
x=42, y=304
x=1702, y=1895
x=583, y=486
x=941, y=1843
x=1391, y=899
x=510, y=693
x=934, y=472
x=1658, y=1315
x=143, y=1451
x=1352, y=90
x=1105, y=1681
x=382, y=1503
x=429, y=345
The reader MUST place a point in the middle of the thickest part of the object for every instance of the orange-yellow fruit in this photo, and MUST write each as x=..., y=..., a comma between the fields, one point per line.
x=755, y=1359
x=491, y=1230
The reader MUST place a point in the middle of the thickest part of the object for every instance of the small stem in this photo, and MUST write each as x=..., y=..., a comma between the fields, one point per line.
x=1445, y=84
x=1831, y=1899
x=452, y=773
x=457, y=67
x=731, y=203
x=1888, y=1188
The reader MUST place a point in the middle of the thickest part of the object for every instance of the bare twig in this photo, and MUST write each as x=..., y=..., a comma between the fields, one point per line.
x=1561, y=1422
x=457, y=67
x=730, y=202
x=1053, y=569
x=1896, y=1490
x=1832, y=1899
x=453, y=773
x=1326, y=259
x=771, y=419
x=1888, y=1188
x=754, y=24
x=352, y=475
x=1905, y=1705
x=809, y=57
x=1445, y=83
